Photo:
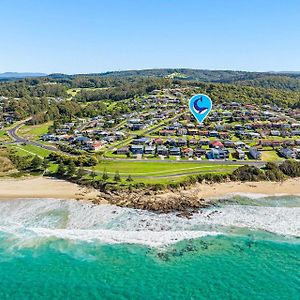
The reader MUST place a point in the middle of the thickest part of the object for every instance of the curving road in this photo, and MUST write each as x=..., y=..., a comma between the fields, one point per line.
x=13, y=133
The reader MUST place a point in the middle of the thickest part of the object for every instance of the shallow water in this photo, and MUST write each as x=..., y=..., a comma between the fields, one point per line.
x=51, y=249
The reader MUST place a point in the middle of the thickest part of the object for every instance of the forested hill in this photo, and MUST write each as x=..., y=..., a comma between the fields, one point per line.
x=285, y=81
x=188, y=74
x=288, y=83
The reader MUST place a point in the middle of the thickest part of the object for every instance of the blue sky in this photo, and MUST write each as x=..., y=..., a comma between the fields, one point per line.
x=82, y=36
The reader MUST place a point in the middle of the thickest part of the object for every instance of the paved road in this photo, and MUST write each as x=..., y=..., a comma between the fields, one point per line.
x=146, y=132
x=13, y=133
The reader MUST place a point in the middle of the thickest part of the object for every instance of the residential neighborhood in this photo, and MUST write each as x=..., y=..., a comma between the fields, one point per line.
x=163, y=128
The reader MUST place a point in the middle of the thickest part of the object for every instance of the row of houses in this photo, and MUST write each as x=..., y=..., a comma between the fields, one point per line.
x=213, y=153
x=289, y=153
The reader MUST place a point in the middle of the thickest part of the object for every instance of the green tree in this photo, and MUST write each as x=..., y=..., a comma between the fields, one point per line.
x=71, y=170
x=80, y=172
x=36, y=163
x=129, y=178
x=105, y=175
x=61, y=170
x=117, y=176
x=93, y=174
x=45, y=164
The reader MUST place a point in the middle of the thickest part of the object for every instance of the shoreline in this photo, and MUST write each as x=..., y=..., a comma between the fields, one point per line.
x=198, y=194
x=44, y=187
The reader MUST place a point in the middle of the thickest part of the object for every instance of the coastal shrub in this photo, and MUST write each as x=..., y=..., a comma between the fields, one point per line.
x=208, y=177
x=158, y=187
x=173, y=185
x=290, y=168
x=61, y=170
x=21, y=162
x=105, y=175
x=249, y=173
x=117, y=176
x=191, y=180
x=129, y=178
x=200, y=178
x=69, y=149
x=81, y=160
x=217, y=177
x=36, y=163
x=273, y=172
x=139, y=185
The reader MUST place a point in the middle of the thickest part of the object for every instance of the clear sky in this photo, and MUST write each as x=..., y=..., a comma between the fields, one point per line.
x=82, y=36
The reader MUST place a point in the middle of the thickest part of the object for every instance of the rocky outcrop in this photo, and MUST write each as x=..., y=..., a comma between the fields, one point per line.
x=182, y=201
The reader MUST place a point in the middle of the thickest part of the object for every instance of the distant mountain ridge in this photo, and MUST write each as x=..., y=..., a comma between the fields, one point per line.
x=222, y=76
x=289, y=81
x=11, y=75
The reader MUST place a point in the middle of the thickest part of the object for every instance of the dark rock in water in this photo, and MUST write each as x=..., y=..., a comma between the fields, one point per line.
x=162, y=202
x=163, y=256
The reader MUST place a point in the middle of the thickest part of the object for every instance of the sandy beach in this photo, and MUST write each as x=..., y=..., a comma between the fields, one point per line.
x=215, y=190
x=43, y=187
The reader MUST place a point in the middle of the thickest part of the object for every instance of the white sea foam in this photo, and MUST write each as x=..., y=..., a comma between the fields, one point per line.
x=252, y=195
x=77, y=220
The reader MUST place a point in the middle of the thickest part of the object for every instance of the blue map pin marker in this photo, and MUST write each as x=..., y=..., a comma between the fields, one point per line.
x=200, y=106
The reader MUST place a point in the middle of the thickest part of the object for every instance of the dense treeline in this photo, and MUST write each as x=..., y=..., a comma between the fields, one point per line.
x=41, y=109
x=128, y=89
x=245, y=94
x=274, y=82
x=34, y=96
x=32, y=88
x=225, y=76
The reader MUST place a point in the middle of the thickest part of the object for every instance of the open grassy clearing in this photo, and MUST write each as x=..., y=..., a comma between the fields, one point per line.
x=159, y=168
x=4, y=137
x=24, y=150
x=33, y=132
x=73, y=91
x=270, y=156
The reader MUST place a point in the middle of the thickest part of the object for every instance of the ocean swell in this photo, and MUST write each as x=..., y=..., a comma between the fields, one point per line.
x=41, y=219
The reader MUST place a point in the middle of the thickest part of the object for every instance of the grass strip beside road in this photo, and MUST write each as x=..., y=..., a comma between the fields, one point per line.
x=24, y=150
x=159, y=168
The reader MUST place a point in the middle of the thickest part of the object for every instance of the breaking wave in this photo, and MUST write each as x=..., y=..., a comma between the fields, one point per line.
x=31, y=220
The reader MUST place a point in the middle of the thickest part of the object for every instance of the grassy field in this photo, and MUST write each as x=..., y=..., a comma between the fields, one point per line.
x=73, y=91
x=138, y=168
x=4, y=137
x=270, y=156
x=33, y=132
x=24, y=150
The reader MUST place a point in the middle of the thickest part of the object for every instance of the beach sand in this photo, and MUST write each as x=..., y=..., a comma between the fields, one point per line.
x=215, y=190
x=44, y=187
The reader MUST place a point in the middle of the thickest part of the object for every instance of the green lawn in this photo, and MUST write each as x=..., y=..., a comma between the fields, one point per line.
x=136, y=168
x=4, y=137
x=270, y=156
x=33, y=132
x=24, y=150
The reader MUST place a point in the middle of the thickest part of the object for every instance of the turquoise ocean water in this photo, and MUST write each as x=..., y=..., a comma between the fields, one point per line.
x=239, y=263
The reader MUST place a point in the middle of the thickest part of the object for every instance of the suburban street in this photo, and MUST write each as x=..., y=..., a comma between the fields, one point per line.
x=13, y=133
